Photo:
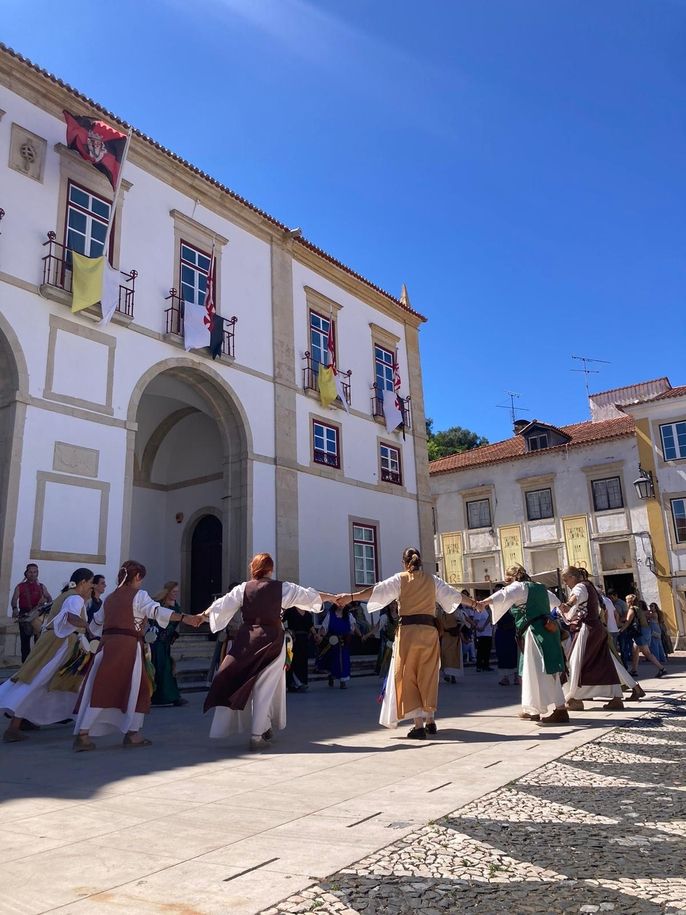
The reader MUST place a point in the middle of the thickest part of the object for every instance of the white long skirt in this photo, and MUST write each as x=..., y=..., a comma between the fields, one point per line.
x=265, y=709
x=34, y=700
x=101, y=721
x=540, y=690
x=388, y=716
x=572, y=688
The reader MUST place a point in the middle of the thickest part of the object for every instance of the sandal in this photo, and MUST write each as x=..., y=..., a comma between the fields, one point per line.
x=82, y=744
x=143, y=742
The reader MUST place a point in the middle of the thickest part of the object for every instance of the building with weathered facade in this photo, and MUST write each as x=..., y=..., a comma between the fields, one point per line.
x=549, y=497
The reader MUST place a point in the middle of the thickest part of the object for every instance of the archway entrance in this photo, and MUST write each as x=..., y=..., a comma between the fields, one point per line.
x=190, y=488
x=206, y=563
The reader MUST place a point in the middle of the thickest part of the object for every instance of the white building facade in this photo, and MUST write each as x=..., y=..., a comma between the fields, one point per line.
x=116, y=443
x=550, y=497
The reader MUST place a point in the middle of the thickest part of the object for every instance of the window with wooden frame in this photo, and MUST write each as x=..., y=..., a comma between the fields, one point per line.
x=679, y=518
x=86, y=219
x=384, y=361
x=194, y=268
x=319, y=339
x=539, y=504
x=607, y=494
x=537, y=442
x=365, y=560
x=325, y=444
x=478, y=514
x=389, y=458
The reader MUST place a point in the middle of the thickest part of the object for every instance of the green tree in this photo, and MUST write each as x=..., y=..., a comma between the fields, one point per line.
x=451, y=441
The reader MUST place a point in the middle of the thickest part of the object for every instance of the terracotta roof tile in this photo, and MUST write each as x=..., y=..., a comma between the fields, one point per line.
x=627, y=386
x=673, y=392
x=513, y=449
x=213, y=181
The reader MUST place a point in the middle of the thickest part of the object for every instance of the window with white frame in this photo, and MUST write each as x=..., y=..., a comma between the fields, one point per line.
x=87, y=219
x=539, y=504
x=538, y=442
x=679, y=516
x=325, y=444
x=390, y=464
x=364, y=554
x=194, y=269
x=478, y=513
x=319, y=339
x=383, y=368
x=607, y=494
x=673, y=441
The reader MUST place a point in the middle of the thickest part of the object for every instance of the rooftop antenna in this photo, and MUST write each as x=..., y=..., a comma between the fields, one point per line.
x=587, y=370
x=511, y=406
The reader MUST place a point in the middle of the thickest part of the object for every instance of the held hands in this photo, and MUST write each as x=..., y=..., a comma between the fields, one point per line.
x=195, y=621
x=342, y=600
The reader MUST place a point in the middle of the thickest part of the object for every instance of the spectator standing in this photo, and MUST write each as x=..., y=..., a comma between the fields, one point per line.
x=29, y=600
x=667, y=643
x=484, y=638
x=636, y=625
x=300, y=624
x=656, y=635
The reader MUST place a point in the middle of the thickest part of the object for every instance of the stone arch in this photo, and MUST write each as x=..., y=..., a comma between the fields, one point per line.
x=214, y=398
x=14, y=391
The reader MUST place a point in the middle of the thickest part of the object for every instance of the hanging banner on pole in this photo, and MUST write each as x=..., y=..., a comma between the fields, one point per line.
x=577, y=542
x=451, y=545
x=511, y=546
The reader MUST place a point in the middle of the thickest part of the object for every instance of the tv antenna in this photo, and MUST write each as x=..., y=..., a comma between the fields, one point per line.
x=587, y=370
x=513, y=395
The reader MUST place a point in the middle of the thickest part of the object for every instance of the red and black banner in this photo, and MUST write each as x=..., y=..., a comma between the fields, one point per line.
x=97, y=143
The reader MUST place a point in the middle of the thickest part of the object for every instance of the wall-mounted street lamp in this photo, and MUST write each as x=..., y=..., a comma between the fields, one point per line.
x=645, y=485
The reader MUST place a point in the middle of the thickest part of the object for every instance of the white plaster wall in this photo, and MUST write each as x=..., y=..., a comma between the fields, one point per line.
x=325, y=545
x=264, y=509
x=176, y=462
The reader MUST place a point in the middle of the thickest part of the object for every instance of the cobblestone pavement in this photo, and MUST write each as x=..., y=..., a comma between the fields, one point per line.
x=600, y=829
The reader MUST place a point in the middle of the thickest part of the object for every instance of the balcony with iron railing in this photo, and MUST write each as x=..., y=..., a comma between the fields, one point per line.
x=174, y=324
x=377, y=407
x=391, y=476
x=57, y=281
x=311, y=373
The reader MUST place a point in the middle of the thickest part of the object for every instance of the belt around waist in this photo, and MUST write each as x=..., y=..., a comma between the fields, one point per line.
x=133, y=633
x=419, y=619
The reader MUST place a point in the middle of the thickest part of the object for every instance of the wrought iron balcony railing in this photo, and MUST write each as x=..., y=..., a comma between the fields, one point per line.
x=174, y=323
x=57, y=272
x=311, y=372
x=377, y=406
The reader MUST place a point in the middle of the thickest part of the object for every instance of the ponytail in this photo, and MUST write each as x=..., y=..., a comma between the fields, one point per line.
x=128, y=572
x=412, y=560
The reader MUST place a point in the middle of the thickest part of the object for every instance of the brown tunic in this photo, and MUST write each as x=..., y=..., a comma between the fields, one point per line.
x=121, y=642
x=418, y=657
x=258, y=644
x=597, y=666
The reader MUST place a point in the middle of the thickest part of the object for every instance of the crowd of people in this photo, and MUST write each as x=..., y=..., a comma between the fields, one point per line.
x=103, y=661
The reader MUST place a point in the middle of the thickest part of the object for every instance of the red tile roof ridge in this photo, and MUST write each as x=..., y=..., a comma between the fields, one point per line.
x=583, y=433
x=636, y=384
x=213, y=181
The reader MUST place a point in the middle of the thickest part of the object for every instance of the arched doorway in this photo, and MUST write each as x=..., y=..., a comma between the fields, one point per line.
x=14, y=380
x=206, y=563
x=188, y=479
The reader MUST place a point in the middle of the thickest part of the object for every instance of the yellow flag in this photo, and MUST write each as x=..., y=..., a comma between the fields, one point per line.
x=327, y=385
x=87, y=279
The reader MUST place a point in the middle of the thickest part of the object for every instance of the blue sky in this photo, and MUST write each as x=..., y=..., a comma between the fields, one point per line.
x=519, y=164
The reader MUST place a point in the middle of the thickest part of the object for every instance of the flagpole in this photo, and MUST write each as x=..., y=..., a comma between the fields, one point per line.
x=115, y=199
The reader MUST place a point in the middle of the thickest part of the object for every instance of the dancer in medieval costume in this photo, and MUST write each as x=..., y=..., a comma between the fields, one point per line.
x=412, y=684
x=248, y=692
x=116, y=693
x=161, y=639
x=542, y=660
x=593, y=669
x=44, y=689
x=338, y=628
x=450, y=635
x=387, y=631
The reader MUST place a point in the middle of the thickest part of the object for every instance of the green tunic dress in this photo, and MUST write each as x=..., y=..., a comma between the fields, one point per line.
x=533, y=615
x=166, y=688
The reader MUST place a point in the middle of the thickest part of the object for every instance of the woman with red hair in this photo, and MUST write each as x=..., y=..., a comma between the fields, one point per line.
x=249, y=689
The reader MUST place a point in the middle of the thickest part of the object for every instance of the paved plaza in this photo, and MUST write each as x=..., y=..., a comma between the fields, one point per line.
x=493, y=815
